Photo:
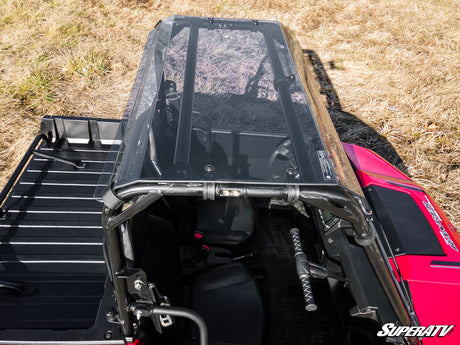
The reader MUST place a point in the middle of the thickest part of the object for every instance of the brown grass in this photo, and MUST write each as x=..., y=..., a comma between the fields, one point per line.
x=394, y=64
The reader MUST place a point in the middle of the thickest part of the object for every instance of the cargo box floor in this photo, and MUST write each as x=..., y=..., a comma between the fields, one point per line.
x=51, y=243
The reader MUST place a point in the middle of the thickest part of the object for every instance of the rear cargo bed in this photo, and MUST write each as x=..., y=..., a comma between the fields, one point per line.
x=51, y=239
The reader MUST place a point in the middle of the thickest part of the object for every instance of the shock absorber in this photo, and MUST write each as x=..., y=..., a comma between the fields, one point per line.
x=303, y=271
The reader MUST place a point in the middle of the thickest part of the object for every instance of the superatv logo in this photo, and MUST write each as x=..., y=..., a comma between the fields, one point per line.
x=391, y=330
x=430, y=208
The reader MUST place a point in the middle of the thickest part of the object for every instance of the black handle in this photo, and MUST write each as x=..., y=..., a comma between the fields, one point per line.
x=303, y=270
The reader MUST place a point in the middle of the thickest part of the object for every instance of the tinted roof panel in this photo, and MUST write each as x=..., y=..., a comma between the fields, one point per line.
x=221, y=100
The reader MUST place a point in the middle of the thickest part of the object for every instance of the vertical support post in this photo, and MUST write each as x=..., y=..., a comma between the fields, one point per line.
x=184, y=131
x=281, y=84
x=112, y=243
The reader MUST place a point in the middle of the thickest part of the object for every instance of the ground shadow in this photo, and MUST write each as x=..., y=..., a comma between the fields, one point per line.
x=349, y=127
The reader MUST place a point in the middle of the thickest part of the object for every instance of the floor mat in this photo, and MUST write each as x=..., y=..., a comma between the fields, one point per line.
x=288, y=322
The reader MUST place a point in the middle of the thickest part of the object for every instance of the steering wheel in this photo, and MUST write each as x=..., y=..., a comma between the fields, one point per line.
x=282, y=160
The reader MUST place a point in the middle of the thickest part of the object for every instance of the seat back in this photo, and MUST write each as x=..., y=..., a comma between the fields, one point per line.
x=226, y=222
x=156, y=251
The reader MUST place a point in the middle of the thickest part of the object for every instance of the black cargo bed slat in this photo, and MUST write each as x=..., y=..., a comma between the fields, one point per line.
x=83, y=172
x=92, y=207
x=82, y=209
x=56, y=239
x=70, y=279
x=45, y=189
x=62, y=223
x=59, y=249
x=51, y=204
x=56, y=267
x=17, y=232
x=15, y=218
x=34, y=175
x=31, y=258
x=57, y=195
x=52, y=278
x=78, y=297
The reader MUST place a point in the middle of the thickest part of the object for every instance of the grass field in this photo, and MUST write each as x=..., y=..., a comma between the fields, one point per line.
x=390, y=70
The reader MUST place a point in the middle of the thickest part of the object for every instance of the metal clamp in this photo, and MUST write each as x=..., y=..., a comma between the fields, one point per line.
x=209, y=191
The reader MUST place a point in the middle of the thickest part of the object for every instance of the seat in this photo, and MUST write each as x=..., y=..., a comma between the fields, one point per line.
x=157, y=253
x=228, y=300
x=226, y=296
x=226, y=222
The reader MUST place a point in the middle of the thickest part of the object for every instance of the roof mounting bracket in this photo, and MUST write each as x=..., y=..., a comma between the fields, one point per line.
x=111, y=199
x=293, y=193
x=209, y=191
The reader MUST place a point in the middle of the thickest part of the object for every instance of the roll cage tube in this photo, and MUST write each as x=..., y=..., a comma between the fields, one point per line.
x=111, y=221
x=334, y=199
x=182, y=152
x=115, y=265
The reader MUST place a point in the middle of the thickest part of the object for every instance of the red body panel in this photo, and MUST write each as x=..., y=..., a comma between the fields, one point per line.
x=135, y=342
x=435, y=288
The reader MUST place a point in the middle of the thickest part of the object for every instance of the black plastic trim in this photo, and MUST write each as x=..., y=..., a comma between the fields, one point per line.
x=406, y=227
x=445, y=263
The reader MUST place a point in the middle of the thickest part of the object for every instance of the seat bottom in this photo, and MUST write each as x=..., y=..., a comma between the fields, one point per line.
x=228, y=300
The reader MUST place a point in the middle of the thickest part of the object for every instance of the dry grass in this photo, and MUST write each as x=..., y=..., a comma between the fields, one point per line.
x=394, y=64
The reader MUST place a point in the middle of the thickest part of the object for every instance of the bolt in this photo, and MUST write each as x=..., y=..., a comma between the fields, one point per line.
x=108, y=335
x=330, y=240
x=138, y=284
x=209, y=168
x=138, y=314
x=290, y=171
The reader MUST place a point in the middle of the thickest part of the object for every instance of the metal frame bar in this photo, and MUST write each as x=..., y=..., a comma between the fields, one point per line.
x=184, y=131
x=114, y=265
x=17, y=172
x=281, y=85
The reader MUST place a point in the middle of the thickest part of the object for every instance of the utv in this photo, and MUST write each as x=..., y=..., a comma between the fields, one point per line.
x=222, y=209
